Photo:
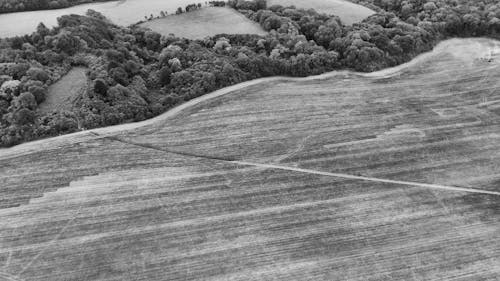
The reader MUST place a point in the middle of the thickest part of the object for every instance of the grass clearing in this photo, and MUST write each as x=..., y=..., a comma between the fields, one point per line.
x=99, y=208
x=62, y=93
x=348, y=12
x=205, y=22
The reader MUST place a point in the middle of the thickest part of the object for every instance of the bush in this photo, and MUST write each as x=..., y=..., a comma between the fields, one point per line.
x=100, y=87
x=38, y=74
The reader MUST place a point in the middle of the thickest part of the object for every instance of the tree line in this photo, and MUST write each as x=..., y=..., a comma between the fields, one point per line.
x=136, y=74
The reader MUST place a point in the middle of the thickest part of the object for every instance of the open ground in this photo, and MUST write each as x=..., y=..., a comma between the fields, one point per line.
x=385, y=176
x=62, y=94
x=205, y=22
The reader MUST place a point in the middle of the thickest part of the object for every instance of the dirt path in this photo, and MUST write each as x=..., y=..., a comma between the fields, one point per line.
x=62, y=93
x=371, y=179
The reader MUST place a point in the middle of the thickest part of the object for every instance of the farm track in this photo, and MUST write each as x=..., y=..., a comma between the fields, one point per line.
x=388, y=176
x=306, y=171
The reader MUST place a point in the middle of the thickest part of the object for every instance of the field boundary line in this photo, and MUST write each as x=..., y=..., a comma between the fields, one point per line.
x=371, y=179
x=305, y=171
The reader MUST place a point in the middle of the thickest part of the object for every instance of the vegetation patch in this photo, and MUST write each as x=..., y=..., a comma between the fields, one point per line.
x=204, y=22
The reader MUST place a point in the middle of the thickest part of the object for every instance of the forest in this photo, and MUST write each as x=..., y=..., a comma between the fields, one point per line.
x=137, y=74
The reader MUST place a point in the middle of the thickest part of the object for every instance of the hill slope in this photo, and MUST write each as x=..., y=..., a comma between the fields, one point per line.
x=205, y=22
x=348, y=12
x=163, y=200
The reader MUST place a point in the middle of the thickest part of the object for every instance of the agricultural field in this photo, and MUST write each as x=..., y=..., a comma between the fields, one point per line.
x=385, y=176
x=62, y=93
x=205, y=22
x=348, y=12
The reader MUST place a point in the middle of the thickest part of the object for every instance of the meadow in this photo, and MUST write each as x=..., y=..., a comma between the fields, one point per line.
x=240, y=184
x=348, y=12
x=62, y=94
x=205, y=22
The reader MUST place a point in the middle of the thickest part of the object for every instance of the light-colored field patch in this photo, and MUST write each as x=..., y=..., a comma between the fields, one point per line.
x=62, y=93
x=348, y=12
x=205, y=22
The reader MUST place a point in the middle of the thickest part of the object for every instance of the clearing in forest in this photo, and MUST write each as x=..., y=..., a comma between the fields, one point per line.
x=205, y=22
x=348, y=12
x=62, y=93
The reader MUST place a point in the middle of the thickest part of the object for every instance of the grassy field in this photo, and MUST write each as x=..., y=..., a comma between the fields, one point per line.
x=348, y=12
x=116, y=204
x=62, y=93
x=205, y=22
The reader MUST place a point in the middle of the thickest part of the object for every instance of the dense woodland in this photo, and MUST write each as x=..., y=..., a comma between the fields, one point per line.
x=10, y=6
x=136, y=74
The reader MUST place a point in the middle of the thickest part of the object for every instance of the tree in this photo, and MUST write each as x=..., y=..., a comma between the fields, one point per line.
x=25, y=100
x=119, y=75
x=42, y=30
x=17, y=43
x=272, y=22
x=38, y=74
x=67, y=43
x=100, y=87
x=222, y=44
x=38, y=89
x=165, y=76
x=327, y=33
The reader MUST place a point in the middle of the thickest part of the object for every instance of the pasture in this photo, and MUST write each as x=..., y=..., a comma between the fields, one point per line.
x=205, y=22
x=62, y=93
x=268, y=181
x=348, y=12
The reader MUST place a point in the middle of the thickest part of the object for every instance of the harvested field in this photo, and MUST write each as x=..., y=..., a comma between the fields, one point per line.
x=164, y=200
x=62, y=93
x=348, y=12
x=205, y=22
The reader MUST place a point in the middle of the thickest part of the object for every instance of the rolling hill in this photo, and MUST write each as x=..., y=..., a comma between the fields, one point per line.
x=205, y=22
x=384, y=176
x=348, y=12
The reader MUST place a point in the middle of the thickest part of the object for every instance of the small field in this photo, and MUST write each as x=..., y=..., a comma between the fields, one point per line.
x=62, y=93
x=205, y=22
x=392, y=175
x=348, y=12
